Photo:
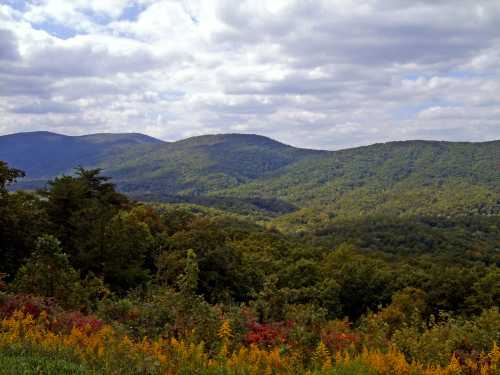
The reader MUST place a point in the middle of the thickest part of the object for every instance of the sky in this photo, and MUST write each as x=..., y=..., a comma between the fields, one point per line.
x=319, y=74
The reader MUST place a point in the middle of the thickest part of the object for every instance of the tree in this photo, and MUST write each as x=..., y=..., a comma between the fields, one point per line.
x=365, y=283
x=20, y=221
x=7, y=177
x=79, y=209
x=127, y=243
x=48, y=273
x=408, y=307
x=485, y=291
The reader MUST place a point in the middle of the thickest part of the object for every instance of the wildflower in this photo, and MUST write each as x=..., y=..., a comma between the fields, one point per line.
x=225, y=331
x=454, y=366
x=322, y=355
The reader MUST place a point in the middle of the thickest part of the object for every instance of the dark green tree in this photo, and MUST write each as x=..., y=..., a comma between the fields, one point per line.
x=21, y=221
x=48, y=273
x=80, y=208
x=7, y=176
x=485, y=291
x=127, y=243
x=365, y=283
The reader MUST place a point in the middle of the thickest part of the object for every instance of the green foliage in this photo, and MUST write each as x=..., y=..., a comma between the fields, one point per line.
x=48, y=273
x=485, y=291
x=188, y=281
x=397, y=179
x=7, y=176
x=394, y=179
x=457, y=239
x=127, y=242
x=79, y=213
x=19, y=363
x=22, y=221
x=258, y=176
x=200, y=165
x=365, y=283
x=97, y=229
x=427, y=284
x=162, y=312
x=449, y=335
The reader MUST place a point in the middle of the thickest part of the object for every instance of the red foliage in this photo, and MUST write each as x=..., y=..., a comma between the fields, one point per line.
x=340, y=341
x=268, y=334
x=338, y=336
x=27, y=303
x=75, y=319
x=57, y=319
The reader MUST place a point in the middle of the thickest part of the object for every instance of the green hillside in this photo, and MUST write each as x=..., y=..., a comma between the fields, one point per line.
x=398, y=178
x=199, y=165
x=252, y=174
x=43, y=155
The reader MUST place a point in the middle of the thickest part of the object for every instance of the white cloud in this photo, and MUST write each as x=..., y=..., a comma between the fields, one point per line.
x=327, y=74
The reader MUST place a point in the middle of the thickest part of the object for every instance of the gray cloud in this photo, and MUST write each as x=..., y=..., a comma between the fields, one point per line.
x=8, y=46
x=87, y=60
x=324, y=32
x=46, y=106
x=325, y=73
x=15, y=85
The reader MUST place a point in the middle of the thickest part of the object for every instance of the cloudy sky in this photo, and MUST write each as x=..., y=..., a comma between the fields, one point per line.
x=321, y=74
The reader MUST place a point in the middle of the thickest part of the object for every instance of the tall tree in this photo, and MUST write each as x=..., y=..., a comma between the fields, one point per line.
x=79, y=208
x=21, y=219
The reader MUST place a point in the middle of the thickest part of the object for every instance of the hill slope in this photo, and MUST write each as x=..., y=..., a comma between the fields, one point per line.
x=250, y=173
x=417, y=177
x=43, y=155
x=199, y=165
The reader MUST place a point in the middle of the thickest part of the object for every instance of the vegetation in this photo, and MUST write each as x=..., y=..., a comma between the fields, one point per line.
x=92, y=282
x=265, y=179
x=43, y=155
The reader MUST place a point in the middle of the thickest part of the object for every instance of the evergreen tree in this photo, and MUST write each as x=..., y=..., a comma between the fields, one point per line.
x=48, y=273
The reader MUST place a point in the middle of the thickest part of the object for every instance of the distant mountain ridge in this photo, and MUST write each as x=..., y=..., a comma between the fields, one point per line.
x=253, y=173
x=43, y=155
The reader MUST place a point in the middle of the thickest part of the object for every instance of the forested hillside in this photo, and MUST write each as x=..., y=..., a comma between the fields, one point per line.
x=258, y=176
x=44, y=155
x=251, y=256
x=397, y=178
x=94, y=282
x=199, y=165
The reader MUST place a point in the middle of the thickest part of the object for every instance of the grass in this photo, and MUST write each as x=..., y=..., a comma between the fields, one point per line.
x=18, y=363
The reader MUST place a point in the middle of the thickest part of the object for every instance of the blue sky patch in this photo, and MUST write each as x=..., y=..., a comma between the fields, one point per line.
x=406, y=112
x=56, y=29
x=19, y=5
x=131, y=13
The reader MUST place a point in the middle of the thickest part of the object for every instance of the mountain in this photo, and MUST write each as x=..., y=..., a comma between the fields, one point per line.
x=251, y=173
x=396, y=178
x=200, y=165
x=43, y=155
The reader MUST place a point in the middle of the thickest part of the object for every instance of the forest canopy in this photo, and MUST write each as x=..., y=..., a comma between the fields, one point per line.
x=181, y=271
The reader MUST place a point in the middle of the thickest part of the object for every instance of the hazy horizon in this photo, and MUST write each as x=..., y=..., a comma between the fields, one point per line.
x=249, y=134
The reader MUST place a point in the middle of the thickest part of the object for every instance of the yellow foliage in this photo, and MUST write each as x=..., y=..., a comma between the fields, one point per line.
x=392, y=362
x=322, y=357
x=494, y=357
x=454, y=366
x=225, y=331
x=103, y=348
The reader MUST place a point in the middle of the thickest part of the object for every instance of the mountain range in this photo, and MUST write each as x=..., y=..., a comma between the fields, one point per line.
x=255, y=174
